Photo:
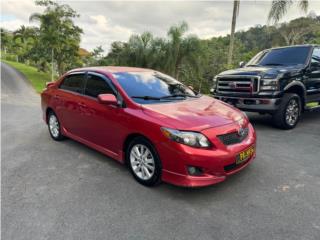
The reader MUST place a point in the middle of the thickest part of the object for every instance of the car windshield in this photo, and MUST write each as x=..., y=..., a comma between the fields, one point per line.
x=281, y=57
x=152, y=87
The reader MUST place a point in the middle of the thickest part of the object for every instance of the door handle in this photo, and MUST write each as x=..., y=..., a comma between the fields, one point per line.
x=56, y=97
x=82, y=105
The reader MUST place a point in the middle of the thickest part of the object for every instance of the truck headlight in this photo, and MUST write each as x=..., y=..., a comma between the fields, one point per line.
x=269, y=84
x=214, y=83
x=192, y=139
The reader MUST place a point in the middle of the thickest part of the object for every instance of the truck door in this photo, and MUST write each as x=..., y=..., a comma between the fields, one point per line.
x=313, y=77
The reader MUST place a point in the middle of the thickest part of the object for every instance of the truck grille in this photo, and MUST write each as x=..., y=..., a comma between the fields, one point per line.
x=238, y=84
x=234, y=137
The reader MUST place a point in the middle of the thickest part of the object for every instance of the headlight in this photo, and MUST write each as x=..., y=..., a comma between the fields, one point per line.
x=269, y=84
x=214, y=83
x=192, y=139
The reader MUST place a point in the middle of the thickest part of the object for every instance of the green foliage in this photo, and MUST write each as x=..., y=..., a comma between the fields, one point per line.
x=59, y=37
x=37, y=79
x=194, y=61
x=280, y=7
x=186, y=57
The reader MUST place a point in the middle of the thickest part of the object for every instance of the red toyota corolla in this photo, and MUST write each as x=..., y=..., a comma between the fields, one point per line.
x=160, y=128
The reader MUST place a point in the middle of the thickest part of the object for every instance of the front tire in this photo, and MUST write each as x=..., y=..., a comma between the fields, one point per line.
x=54, y=127
x=143, y=162
x=288, y=114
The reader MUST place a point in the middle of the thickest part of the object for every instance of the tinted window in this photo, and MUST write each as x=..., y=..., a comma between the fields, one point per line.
x=316, y=55
x=74, y=83
x=96, y=85
x=282, y=56
x=139, y=84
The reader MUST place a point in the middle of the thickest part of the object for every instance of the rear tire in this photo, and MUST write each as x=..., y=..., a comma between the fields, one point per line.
x=54, y=127
x=143, y=162
x=288, y=114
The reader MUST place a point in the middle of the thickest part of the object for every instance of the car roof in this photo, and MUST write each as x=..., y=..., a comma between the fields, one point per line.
x=111, y=69
x=301, y=45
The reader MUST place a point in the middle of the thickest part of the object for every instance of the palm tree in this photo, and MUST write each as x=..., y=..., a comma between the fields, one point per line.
x=280, y=7
x=236, y=6
x=175, y=34
x=140, y=49
x=24, y=33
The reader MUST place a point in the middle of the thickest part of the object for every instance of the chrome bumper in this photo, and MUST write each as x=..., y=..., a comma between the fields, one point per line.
x=252, y=104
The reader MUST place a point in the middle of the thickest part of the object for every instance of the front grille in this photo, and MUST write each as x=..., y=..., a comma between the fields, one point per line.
x=238, y=84
x=234, y=137
x=233, y=166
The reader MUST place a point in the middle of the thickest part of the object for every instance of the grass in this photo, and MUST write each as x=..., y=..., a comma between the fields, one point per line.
x=37, y=79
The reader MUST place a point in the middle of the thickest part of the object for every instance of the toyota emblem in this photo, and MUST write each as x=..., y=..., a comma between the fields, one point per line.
x=241, y=132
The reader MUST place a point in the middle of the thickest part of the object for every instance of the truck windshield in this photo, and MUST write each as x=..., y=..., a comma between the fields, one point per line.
x=281, y=57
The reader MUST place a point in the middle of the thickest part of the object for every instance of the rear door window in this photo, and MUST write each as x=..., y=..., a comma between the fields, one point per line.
x=96, y=85
x=74, y=83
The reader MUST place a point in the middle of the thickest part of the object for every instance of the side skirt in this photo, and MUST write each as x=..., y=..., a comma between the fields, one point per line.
x=104, y=151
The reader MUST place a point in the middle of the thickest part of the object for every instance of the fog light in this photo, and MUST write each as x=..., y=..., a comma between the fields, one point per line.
x=194, y=171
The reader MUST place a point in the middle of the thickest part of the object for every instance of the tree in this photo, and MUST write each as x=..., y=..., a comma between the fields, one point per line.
x=97, y=52
x=236, y=6
x=140, y=49
x=180, y=50
x=23, y=34
x=6, y=38
x=59, y=37
x=280, y=7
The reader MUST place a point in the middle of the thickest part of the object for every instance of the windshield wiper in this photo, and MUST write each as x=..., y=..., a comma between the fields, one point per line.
x=146, y=97
x=164, y=97
x=252, y=65
x=174, y=96
x=273, y=64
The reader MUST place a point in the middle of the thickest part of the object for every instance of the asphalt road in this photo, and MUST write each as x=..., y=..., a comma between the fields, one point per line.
x=64, y=190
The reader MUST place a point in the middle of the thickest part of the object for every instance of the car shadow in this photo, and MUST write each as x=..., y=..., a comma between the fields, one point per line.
x=164, y=189
x=264, y=121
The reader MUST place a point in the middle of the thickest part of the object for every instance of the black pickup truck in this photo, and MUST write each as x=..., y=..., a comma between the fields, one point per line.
x=281, y=81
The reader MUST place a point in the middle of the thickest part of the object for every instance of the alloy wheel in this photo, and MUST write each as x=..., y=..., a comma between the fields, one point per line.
x=292, y=112
x=54, y=126
x=142, y=162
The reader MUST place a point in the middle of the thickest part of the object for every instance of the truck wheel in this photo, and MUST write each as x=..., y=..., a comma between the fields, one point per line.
x=288, y=114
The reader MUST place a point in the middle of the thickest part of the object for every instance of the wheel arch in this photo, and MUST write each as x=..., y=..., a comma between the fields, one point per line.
x=132, y=136
x=299, y=89
x=49, y=109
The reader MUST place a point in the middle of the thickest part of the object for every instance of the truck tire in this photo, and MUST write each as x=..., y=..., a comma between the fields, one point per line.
x=288, y=114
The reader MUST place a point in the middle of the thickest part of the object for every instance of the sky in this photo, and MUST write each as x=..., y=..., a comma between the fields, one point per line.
x=104, y=22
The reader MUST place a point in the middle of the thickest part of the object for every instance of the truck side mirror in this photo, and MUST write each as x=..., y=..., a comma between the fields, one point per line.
x=242, y=64
x=315, y=66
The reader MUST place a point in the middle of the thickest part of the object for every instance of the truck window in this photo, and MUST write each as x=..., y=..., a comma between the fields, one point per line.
x=316, y=56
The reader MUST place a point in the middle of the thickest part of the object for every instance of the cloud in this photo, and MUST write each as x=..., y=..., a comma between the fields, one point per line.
x=106, y=21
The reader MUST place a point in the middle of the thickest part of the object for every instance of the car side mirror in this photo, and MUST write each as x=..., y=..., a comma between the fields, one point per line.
x=315, y=66
x=49, y=84
x=242, y=64
x=108, y=99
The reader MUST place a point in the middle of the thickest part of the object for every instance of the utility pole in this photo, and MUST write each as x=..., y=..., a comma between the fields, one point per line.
x=236, y=5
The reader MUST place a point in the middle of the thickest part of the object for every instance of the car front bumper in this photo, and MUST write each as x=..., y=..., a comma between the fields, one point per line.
x=216, y=163
x=252, y=104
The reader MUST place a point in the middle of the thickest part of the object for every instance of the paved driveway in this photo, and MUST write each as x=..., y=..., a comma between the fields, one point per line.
x=64, y=190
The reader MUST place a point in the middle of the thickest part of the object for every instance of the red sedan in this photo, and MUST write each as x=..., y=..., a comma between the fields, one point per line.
x=160, y=128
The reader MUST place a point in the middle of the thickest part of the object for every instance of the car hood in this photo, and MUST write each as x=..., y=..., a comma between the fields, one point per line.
x=194, y=114
x=270, y=71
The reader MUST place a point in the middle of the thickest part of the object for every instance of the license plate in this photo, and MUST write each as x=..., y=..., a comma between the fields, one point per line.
x=245, y=155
